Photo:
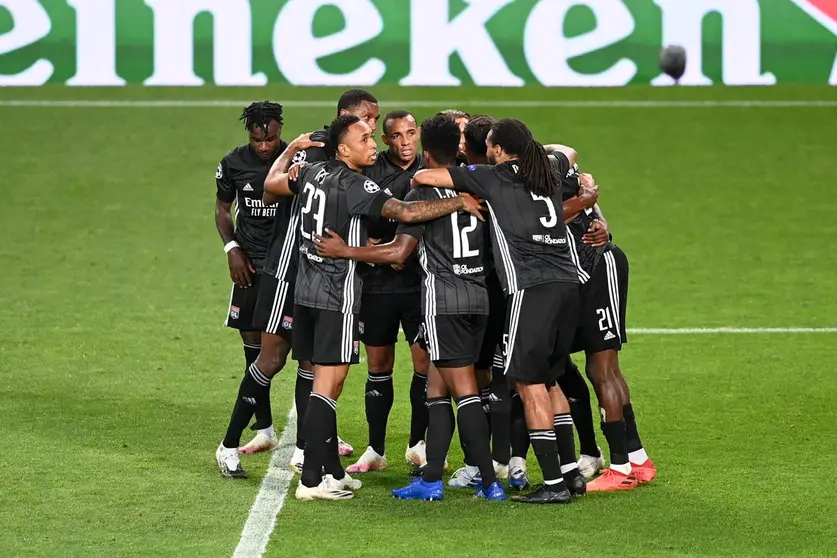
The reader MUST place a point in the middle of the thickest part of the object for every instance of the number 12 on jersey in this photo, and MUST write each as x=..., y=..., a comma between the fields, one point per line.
x=313, y=195
x=461, y=243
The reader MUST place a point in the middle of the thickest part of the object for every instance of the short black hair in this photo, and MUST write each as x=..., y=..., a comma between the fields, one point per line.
x=259, y=114
x=338, y=129
x=396, y=115
x=352, y=98
x=476, y=132
x=454, y=113
x=440, y=137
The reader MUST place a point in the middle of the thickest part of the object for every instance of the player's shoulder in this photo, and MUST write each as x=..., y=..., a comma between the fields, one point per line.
x=423, y=193
x=349, y=179
x=314, y=154
x=235, y=156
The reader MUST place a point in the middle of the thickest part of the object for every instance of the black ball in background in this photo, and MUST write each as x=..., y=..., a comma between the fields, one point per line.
x=673, y=61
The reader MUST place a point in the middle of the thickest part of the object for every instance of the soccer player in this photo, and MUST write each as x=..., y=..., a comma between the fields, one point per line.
x=327, y=298
x=455, y=307
x=461, y=118
x=240, y=178
x=392, y=297
x=523, y=193
x=603, y=271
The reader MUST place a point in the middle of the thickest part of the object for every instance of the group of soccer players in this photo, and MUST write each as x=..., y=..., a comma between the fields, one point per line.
x=491, y=253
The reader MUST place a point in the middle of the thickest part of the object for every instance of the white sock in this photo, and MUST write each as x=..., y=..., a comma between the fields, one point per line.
x=568, y=467
x=624, y=469
x=638, y=457
x=268, y=431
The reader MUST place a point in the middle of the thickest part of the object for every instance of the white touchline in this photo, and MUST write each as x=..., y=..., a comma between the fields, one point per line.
x=262, y=519
x=172, y=103
x=705, y=330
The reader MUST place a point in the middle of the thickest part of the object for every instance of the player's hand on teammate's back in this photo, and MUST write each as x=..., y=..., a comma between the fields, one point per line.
x=296, y=168
x=331, y=246
x=241, y=269
x=597, y=235
x=304, y=142
x=474, y=206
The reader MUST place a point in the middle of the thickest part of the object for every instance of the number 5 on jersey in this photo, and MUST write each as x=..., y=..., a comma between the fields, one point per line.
x=313, y=194
x=552, y=219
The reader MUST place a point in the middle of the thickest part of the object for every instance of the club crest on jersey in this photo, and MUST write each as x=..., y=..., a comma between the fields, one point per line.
x=371, y=187
x=219, y=172
x=299, y=157
x=235, y=312
x=288, y=322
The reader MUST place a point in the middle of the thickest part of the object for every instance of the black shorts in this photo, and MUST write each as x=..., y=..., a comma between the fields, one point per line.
x=381, y=314
x=540, y=325
x=275, y=307
x=242, y=308
x=604, y=302
x=325, y=337
x=496, y=322
x=453, y=341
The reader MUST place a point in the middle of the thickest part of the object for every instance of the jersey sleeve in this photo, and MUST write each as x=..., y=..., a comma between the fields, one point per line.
x=416, y=230
x=560, y=163
x=364, y=197
x=397, y=184
x=474, y=179
x=223, y=183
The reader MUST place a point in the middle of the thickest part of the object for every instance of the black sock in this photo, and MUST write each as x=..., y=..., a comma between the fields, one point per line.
x=500, y=419
x=263, y=411
x=439, y=434
x=473, y=430
x=617, y=440
x=319, y=421
x=575, y=388
x=634, y=443
x=485, y=401
x=379, y=396
x=332, y=464
x=418, y=403
x=253, y=386
x=546, y=450
x=563, y=426
x=302, y=392
x=519, y=432
x=251, y=353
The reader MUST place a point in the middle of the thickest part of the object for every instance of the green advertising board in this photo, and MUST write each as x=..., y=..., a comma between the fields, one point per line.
x=414, y=42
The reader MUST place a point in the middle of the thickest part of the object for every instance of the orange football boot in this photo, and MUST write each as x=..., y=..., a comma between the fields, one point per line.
x=611, y=480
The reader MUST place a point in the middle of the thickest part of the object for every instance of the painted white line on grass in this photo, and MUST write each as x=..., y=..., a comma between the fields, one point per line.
x=420, y=103
x=262, y=519
x=704, y=330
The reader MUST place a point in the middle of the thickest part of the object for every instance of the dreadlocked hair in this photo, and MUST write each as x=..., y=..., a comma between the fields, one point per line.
x=533, y=164
x=259, y=114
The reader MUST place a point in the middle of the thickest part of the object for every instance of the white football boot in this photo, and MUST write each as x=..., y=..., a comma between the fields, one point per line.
x=229, y=463
x=589, y=466
x=369, y=461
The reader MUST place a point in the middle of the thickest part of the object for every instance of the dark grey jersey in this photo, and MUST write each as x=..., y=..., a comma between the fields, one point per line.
x=528, y=235
x=337, y=198
x=451, y=252
x=240, y=178
x=584, y=256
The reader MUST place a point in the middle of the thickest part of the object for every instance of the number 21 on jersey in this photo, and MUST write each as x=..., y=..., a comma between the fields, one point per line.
x=313, y=195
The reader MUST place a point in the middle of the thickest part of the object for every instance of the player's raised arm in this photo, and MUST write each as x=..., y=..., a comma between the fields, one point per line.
x=276, y=185
x=570, y=153
x=438, y=178
x=331, y=245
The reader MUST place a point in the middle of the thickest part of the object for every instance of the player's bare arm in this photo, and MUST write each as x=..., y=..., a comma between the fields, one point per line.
x=438, y=178
x=599, y=232
x=240, y=266
x=281, y=165
x=332, y=245
x=586, y=198
x=427, y=210
x=569, y=152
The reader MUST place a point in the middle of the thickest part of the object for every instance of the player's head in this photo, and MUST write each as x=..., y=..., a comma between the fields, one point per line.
x=353, y=142
x=461, y=118
x=362, y=104
x=263, y=121
x=476, y=133
x=509, y=140
x=401, y=135
x=440, y=141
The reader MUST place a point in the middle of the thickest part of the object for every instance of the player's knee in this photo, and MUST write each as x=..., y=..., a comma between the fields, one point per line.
x=380, y=359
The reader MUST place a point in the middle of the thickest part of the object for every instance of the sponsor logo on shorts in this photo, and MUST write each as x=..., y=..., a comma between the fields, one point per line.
x=288, y=322
x=465, y=270
x=547, y=239
x=235, y=312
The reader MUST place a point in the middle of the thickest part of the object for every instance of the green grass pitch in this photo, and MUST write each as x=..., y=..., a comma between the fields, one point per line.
x=118, y=376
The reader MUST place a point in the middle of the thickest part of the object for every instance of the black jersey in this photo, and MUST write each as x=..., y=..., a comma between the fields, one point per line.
x=240, y=178
x=314, y=154
x=585, y=257
x=451, y=251
x=383, y=279
x=335, y=197
x=282, y=257
x=384, y=166
x=528, y=235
